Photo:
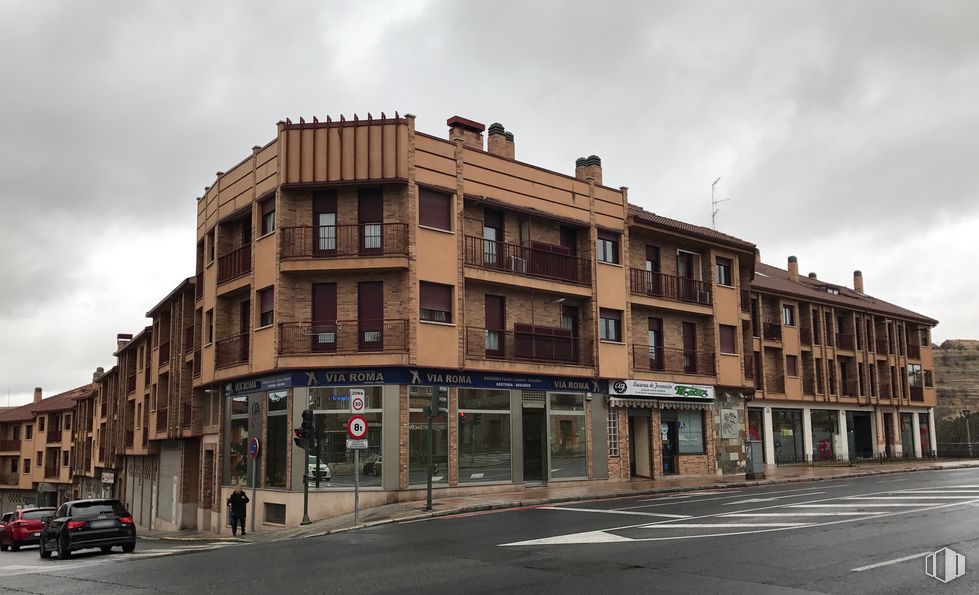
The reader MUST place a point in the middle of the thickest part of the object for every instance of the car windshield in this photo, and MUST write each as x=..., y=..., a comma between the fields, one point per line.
x=36, y=514
x=93, y=508
x=311, y=460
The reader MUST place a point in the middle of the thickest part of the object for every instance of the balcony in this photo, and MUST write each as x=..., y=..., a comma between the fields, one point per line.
x=188, y=339
x=917, y=394
x=914, y=351
x=9, y=445
x=545, y=263
x=882, y=347
x=677, y=361
x=54, y=436
x=528, y=343
x=234, y=264
x=231, y=351
x=52, y=471
x=131, y=384
x=844, y=341
x=345, y=241
x=805, y=336
x=745, y=301
x=849, y=388
x=749, y=366
x=129, y=438
x=186, y=415
x=772, y=331
x=669, y=287
x=161, y=420
x=199, y=286
x=197, y=363
x=164, y=354
x=343, y=337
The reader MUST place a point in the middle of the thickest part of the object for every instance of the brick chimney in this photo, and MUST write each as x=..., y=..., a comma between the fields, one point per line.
x=97, y=373
x=496, y=140
x=812, y=276
x=123, y=339
x=858, y=281
x=793, y=269
x=510, y=150
x=588, y=167
x=469, y=131
x=37, y=395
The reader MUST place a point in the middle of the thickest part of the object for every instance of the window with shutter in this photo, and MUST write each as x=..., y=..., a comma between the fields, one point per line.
x=436, y=302
x=265, y=306
x=434, y=209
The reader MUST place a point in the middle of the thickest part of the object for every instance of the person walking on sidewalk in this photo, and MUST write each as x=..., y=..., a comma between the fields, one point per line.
x=236, y=505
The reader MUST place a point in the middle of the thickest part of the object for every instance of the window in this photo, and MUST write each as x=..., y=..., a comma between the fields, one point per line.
x=608, y=247
x=238, y=441
x=29, y=432
x=275, y=513
x=436, y=302
x=613, y=432
x=325, y=222
x=209, y=327
x=64, y=458
x=27, y=465
x=484, y=435
x=370, y=214
x=729, y=339
x=724, y=271
x=567, y=427
x=209, y=246
x=266, y=302
x=67, y=422
x=40, y=423
x=434, y=209
x=420, y=397
x=39, y=458
x=13, y=465
x=792, y=365
x=610, y=325
x=925, y=339
x=914, y=375
x=268, y=216
x=929, y=381
x=277, y=439
x=331, y=407
x=788, y=315
x=690, y=430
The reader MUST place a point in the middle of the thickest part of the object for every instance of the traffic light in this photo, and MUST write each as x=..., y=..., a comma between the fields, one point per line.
x=440, y=401
x=307, y=427
x=462, y=418
x=298, y=438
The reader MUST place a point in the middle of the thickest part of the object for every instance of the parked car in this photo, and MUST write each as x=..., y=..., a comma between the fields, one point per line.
x=7, y=516
x=372, y=466
x=313, y=470
x=23, y=527
x=86, y=524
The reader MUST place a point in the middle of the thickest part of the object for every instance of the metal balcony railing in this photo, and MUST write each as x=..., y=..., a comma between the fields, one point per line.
x=343, y=337
x=344, y=241
x=528, y=343
x=161, y=420
x=844, y=341
x=548, y=263
x=54, y=436
x=677, y=361
x=745, y=301
x=882, y=348
x=231, y=351
x=131, y=384
x=189, y=339
x=805, y=336
x=234, y=264
x=9, y=445
x=164, y=352
x=914, y=351
x=670, y=287
x=772, y=331
x=749, y=366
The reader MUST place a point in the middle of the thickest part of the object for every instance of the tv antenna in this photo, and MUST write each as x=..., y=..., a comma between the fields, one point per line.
x=713, y=204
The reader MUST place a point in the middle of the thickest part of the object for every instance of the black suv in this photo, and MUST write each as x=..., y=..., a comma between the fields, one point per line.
x=85, y=524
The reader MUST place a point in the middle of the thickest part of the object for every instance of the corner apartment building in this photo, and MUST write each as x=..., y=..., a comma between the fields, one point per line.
x=36, y=450
x=838, y=374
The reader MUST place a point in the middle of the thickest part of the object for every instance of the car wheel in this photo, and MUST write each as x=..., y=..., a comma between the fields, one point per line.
x=63, y=552
x=129, y=547
x=41, y=550
x=106, y=549
x=3, y=547
x=14, y=546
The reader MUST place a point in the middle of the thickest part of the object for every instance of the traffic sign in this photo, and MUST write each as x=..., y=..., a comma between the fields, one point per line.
x=358, y=400
x=357, y=427
x=356, y=444
x=253, y=448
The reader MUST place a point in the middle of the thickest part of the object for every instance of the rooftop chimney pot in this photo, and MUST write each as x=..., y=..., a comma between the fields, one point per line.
x=794, y=269
x=812, y=275
x=470, y=131
x=37, y=395
x=858, y=281
x=496, y=141
x=589, y=167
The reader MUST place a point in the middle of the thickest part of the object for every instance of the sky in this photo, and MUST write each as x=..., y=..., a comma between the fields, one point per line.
x=842, y=133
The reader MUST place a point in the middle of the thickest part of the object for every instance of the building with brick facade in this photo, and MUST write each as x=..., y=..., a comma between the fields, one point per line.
x=577, y=338
x=838, y=374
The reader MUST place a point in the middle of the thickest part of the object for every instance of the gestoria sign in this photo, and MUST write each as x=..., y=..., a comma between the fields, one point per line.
x=660, y=390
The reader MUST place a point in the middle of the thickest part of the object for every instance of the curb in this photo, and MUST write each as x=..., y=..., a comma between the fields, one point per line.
x=620, y=494
x=192, y=539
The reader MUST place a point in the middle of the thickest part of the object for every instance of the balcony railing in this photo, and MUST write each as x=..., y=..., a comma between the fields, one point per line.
x=9, y=445
x=849, y=388
x=914, y=351
x=749, y=367
x=186, y=415
x=231, y=351
x=917, y=394
x=529, y=262
x=199, y=286
x=54, y=436
x=745, y=301
x=161, y=420
x=885, y=391
x=234, y=264
x=805, y=336
x=197, y=363
x=528, y=343
x=882, y=347
x=772, y=331
x=670, y=287
x=101, y=454
x=677, y=361
x=131, y=384
x=188, y=339
x=129, y=438
x=345, y=241
x=52, y=471
x=343, y=337
x=164, y=354
x=844, y=341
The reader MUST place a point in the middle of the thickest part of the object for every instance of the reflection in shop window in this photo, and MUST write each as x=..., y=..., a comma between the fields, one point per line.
x=689, y=430
x=329, y=461
x=238, y=452
x=787, y=435
x=420, y=397
x=277, y=439
x=825, y=433
x=484, y=435
x=567, y=436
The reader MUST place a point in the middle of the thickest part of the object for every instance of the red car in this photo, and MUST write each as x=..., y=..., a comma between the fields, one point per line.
x=24, y=528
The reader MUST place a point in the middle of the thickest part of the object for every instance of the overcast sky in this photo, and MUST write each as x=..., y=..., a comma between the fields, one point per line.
x=843, y=133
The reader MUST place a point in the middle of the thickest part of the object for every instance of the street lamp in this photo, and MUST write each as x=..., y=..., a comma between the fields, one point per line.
x=968, y=433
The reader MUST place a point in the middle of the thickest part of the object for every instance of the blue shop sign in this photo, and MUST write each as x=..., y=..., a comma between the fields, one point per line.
x=416, y=377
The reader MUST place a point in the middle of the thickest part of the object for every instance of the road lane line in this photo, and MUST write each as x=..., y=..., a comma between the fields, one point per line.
x=866, y=505
x=790, y=513
x=613, y=511
x=934, y=497
x=762, y=499
x=721, y=525
x=889, y=562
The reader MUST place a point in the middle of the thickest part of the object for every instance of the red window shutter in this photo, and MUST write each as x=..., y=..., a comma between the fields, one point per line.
x=728, y=339
x=435, y=296
x=495, y=312
x=324, y=201
x=265, y=300
x=370, y=302
x=268, y=206
x=492, y=218
x=370, y=205
x=324, y=302
x=434, y=209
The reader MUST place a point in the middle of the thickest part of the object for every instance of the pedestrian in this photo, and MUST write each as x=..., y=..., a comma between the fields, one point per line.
x=236, y=507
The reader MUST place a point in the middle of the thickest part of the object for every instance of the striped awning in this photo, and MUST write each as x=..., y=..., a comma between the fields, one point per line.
x=658, y=403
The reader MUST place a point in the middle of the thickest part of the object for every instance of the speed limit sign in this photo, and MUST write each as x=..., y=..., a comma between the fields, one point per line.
x=358, y=400
x=357, y=427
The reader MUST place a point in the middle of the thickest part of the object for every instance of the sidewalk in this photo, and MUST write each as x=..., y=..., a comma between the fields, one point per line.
x=537, y=496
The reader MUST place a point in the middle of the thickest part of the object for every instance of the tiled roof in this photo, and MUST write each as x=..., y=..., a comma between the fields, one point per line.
x=643, y=216
x=60, y=402
x=22, y=413
x=775, y=280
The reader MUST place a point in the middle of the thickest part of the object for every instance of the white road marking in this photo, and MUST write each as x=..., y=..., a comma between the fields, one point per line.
x=586, y=537
x=867, y=505
x=894, y=480
x=753, y=500
x=932, y=497
x=610, y=511
x=790, y=513
x=889, y=562
x=934, y=491
x=720, y=525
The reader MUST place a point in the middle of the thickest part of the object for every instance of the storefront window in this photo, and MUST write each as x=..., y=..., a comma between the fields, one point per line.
x=825, y=430
x=277, y=439
x=238, y=452
x=924, y=434
x=689, y=430
x=907, y=435
x=329, y=460
x=787, y=435
x=484, y=435
x=567, y=436
x=420, y=397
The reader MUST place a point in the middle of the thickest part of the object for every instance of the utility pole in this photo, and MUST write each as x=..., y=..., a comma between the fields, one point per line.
x=968, y=432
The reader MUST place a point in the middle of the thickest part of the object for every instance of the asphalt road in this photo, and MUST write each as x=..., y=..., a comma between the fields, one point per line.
x=861, y=535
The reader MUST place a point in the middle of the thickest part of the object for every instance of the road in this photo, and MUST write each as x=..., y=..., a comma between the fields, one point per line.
x=861, y=535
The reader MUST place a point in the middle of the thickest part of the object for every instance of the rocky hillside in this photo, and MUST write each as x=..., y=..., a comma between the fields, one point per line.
x=957, y=378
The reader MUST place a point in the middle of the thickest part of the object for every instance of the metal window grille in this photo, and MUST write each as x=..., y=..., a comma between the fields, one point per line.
x=613, y=433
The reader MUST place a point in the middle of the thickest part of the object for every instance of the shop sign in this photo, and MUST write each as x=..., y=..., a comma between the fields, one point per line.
x=660, y=390
x=108, y=477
